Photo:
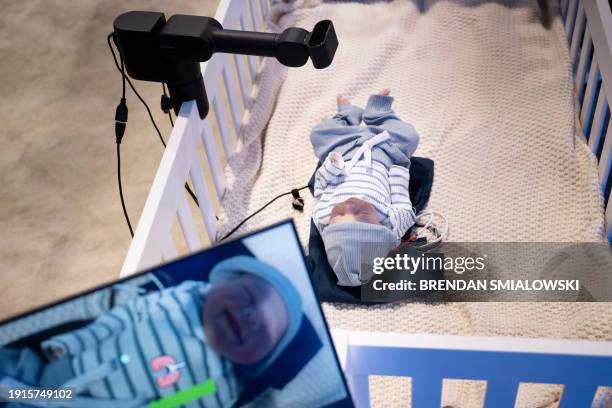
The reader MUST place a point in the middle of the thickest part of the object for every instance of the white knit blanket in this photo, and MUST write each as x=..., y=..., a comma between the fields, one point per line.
x=490, y=91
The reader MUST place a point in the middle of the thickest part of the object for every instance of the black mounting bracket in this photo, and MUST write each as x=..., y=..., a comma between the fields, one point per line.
x=170, y=51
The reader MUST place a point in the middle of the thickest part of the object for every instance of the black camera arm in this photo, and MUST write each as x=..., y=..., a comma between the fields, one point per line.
x=170, y=51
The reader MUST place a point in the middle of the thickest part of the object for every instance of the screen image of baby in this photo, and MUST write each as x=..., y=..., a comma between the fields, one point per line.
x=251, y=312
x=197, y=343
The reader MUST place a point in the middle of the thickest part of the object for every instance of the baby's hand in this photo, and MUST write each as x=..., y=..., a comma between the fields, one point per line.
x=385, y=91
x=341, y=100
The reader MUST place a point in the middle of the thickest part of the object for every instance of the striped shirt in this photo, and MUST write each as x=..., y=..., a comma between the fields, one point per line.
x=386, y=189
x=142, y=341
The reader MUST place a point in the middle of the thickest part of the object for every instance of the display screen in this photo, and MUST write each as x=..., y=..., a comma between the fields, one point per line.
x=237, y=324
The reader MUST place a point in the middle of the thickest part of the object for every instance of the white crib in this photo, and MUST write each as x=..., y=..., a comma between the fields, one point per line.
x=196, y=153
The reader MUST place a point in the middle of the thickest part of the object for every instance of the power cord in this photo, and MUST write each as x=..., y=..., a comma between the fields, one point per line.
x=298, y=204
x=108, y=39
x=121, y=116
x=429, y=231
x=120, y=124
x=166, y=104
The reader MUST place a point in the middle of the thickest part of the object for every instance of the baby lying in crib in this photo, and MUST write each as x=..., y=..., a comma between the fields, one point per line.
x=220, y=334
x=363, y=207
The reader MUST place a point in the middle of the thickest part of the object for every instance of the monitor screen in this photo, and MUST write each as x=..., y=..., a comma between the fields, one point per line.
x=237, y=324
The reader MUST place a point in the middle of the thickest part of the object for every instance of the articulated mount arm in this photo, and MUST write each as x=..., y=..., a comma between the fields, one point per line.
x=170, y=51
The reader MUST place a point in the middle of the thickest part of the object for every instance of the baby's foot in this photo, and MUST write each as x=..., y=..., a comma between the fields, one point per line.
x=341, y=100
x=385, y=91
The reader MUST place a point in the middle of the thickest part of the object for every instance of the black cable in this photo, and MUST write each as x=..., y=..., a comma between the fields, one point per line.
x=125, y=78
x=260, y=210
x=134, y=89
x=170, y=110
x=127, y=218
x=121, y=116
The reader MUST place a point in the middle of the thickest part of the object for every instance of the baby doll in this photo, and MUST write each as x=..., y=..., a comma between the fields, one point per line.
x=363, y=207
x=218, y=335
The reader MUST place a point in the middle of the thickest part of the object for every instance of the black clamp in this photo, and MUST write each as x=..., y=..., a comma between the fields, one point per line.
x=298, y=201
x=165, y=103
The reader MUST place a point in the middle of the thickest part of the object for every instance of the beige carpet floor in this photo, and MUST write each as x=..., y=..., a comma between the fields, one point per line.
x=61, y=225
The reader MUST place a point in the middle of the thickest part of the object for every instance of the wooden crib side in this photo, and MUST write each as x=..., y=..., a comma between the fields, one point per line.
x=502, y=363
x=588, y=24
x=197, y=151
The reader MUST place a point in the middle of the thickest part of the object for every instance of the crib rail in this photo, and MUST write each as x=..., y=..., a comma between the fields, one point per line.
x=197, y=151
x=588, y=25
x=503, y=363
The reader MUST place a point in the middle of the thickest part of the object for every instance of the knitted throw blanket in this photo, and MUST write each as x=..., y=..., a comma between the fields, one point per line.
x=490, y=91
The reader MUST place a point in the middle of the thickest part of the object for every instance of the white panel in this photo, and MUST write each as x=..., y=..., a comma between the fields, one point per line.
x=226, y=137
x=214, y=157
x=577, y=36
x=589, y=95
x=188, y=225
x=232, y=96
x=584, y=57
x=570, y=19
x=598, y=122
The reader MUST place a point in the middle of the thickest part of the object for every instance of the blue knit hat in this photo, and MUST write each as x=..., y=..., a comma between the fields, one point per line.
x=233, y=267
x=349, y=245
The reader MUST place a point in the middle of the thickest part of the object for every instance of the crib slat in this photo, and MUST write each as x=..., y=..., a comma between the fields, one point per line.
x=564, y=9
x=577, y=395
x=232, y=96
x=598, y=122
x=204, y=201
x=360, y=390
x=170, y=251
x=188, y=225
x=426, y=391
x=214, y=158
x=250, y=59
x=255, y=15
x=570, y=18
x=223, y=128
x=609, y=217
x=500, y=394
x=589, y=95
x=605, y=163
x=264, y=8
x=242, y=80
x=577, y=36
x=585, y=52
